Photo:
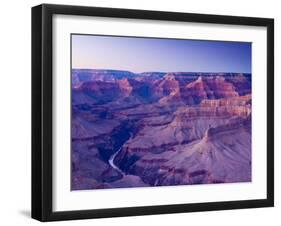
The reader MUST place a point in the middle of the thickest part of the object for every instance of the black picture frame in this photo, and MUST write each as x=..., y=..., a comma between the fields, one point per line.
x=42, y=106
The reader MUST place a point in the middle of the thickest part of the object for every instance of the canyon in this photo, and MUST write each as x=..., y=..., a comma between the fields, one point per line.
x=159, y=129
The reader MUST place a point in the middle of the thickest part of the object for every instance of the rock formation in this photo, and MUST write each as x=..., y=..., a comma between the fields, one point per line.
x=156, y=129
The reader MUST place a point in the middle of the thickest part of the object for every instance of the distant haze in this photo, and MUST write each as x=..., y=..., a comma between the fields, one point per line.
x=154, y=54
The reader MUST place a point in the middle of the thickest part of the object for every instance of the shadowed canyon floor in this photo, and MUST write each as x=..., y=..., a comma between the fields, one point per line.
x=155, y=129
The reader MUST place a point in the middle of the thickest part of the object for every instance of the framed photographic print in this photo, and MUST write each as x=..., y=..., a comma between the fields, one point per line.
x=145, y=112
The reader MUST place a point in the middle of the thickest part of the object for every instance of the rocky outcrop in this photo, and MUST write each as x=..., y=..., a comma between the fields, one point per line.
x=208, y=88
x=222, y=155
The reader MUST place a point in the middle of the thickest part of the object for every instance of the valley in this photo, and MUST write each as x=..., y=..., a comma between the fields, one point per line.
x=159, y=129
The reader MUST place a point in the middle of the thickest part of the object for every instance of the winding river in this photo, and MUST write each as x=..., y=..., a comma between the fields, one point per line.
x=112, y=157
x=112, y=164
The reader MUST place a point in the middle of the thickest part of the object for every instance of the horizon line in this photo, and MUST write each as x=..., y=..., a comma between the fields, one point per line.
x=166, y=72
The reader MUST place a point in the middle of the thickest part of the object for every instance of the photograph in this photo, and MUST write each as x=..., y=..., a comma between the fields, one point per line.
x=142, y=112
x=150, y=111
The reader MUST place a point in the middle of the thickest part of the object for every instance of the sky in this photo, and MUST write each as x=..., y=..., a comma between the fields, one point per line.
x=162, y=55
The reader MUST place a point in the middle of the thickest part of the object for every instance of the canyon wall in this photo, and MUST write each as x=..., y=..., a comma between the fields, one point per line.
x=156, y=128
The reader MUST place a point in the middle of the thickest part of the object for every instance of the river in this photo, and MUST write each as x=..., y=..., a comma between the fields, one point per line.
x=112, y=157
x=112, y=164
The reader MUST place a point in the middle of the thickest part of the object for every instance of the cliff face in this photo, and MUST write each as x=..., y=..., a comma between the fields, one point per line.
x=216, y=134
x=153, y=129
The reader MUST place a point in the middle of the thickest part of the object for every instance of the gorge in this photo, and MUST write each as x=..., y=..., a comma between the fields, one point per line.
x=159, y=129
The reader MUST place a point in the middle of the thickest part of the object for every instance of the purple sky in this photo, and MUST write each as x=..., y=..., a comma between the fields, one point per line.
x=166, y=55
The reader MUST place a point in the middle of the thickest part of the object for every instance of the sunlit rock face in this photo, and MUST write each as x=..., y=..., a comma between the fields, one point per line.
x=159, y=129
